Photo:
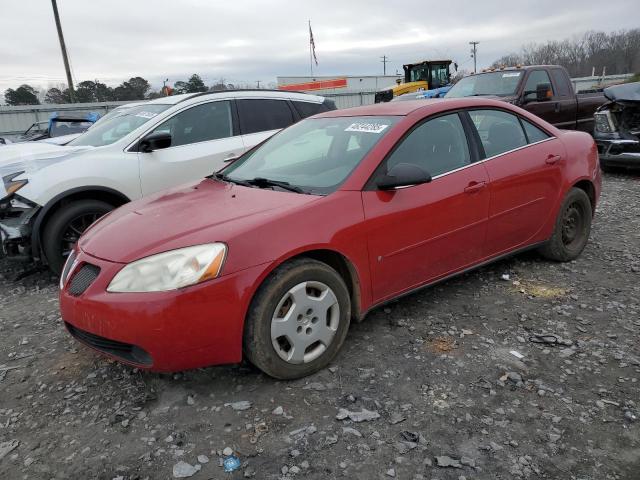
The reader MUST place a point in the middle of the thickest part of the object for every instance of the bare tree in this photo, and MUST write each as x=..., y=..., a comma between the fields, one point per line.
x=615, y=52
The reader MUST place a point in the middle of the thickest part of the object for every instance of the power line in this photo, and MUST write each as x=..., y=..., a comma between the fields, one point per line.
x=63, y=47
x=384, y=61
x=474, y=55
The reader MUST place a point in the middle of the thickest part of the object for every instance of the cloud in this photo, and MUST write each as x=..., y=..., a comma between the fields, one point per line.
x=250, y=39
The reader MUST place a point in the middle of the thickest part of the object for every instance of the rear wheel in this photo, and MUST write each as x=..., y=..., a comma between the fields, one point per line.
x=298, y=320
x=65, y=226
x=572, y=229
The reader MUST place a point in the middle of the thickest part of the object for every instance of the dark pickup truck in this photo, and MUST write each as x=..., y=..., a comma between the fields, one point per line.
x=544, y=90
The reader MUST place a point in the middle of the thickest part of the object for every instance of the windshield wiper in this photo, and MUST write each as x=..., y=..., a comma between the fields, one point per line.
x=261, y=182
x=224, y=178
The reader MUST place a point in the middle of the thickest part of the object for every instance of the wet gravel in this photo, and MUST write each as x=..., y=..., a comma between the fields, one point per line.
x=448, y=383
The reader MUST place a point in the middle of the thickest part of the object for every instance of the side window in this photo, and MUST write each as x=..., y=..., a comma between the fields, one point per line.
x=306, y=109
x=534, y=134
x=562, y=82
x=437, y=146
x=499, y=131
x=536, y=77
x=209, y=121
x=261, y=115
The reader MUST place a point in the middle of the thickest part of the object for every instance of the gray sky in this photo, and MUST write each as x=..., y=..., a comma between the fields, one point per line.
x=248, y=40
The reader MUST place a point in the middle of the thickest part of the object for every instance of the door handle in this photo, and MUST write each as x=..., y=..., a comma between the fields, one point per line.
x=552, y=159
x=557, y=107
x=475, y=187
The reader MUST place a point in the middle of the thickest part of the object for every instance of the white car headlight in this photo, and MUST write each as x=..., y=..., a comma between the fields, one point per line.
x=171, y=270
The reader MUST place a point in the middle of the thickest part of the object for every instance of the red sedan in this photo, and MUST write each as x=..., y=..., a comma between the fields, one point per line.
x=273, y=257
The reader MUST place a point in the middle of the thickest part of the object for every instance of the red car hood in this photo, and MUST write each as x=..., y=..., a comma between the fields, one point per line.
x=209, y=211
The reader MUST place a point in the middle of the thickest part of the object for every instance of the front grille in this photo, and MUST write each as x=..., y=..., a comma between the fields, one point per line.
x=83, y=278
x=125, y=351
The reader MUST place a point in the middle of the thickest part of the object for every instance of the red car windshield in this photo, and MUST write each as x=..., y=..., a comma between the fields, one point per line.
x=315, y=155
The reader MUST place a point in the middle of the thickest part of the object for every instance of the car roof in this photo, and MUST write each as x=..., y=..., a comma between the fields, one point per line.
x=429, y=106
x=258, y=93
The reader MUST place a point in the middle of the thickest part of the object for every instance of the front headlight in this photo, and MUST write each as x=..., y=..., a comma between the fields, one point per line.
x=171, y=270
x=605, y=122
x=11, y=186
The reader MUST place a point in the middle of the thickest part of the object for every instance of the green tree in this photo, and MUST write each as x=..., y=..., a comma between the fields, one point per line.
x=23, y=95
x=93, y=91
x=193, y=85
x=55, y=95
x=135, y=88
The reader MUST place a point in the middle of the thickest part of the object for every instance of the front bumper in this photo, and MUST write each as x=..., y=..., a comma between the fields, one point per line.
x=16, y=223
x=619, y=153
x=193, y=327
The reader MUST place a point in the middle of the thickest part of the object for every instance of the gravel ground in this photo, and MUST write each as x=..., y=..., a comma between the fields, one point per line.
x=428, y=387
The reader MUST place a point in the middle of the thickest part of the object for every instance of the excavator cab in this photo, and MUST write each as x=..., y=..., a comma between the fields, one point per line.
x=425, y=75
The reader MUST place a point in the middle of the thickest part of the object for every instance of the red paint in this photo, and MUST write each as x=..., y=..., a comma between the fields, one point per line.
x=395, y=241
x=315, y=85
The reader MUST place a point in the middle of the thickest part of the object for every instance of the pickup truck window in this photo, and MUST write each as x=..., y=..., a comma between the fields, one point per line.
x=499, y=131
x=565, y=89
x=536, y=77
x=501, y=83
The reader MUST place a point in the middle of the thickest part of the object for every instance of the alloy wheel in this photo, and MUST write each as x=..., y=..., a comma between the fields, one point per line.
x=75, y=228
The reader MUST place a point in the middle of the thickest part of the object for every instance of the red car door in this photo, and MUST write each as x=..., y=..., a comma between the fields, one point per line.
x=420, y=233
x=523, y=163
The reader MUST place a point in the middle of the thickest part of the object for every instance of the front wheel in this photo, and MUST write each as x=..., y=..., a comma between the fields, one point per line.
x=572, y=229
x=65, y=226
x=298, y=320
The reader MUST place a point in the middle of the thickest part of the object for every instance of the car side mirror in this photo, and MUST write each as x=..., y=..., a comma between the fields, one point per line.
x=543, y=92
x=403, y=175
x=155, y=141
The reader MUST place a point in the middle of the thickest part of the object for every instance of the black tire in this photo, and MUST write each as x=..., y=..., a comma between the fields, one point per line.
x=572, y=228
x=60, y=229
x=257, y=343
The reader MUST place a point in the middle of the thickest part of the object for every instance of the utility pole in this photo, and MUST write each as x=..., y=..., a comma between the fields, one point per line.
x=258, y=84
x=384, y=61
x=474, y=55
x=64, y=50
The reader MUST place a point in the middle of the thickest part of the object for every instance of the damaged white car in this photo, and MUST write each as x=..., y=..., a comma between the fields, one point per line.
x=50, y=194
x=617, y=127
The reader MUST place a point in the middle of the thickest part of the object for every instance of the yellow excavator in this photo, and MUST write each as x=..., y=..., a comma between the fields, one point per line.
x=425, y=76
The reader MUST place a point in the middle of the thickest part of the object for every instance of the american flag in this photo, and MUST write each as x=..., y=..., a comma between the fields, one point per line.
x=312, y=45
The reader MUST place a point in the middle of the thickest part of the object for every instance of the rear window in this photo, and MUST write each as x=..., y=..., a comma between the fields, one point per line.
x=261, y=115
x=562, y=82
x=534, y=134
x=306, y=109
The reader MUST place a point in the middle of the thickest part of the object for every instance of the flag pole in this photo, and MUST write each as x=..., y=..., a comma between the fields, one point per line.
x=310, y=51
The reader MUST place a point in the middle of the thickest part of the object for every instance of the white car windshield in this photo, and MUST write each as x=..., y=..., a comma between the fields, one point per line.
x=314, y=156
x=110, y=130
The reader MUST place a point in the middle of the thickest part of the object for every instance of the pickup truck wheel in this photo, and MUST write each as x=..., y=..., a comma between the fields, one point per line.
x=65, y=226
x=572, y=229
x=298, y=320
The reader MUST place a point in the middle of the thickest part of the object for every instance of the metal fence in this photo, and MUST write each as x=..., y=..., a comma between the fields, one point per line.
x=350, y=99
x=15, y=120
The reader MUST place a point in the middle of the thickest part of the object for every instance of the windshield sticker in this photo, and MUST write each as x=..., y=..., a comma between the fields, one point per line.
x=366, y=127
x=146, y=114
x=507, y=75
